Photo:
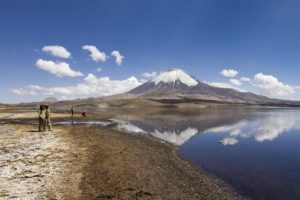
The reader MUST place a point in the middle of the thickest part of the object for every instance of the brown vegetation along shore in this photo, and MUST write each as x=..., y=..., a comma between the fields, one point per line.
x=95, y=162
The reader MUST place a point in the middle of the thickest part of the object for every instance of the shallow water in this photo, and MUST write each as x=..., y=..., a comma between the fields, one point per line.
x=101, y=123
x=60, y=122
x=257, y=151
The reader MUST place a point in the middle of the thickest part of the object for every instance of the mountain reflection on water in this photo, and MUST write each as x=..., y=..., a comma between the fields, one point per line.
x=178, y=126
x=255, y=150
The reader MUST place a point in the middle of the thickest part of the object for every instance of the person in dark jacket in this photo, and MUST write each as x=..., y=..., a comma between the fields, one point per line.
x=41, y=115
x=83, y=113
x=72, y=111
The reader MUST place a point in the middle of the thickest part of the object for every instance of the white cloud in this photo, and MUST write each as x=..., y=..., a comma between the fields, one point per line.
x=226, y=85
x=270, y=85
x=149, y=74
x=245, y=79
x=235, y=82
x=118, y=56
x=58, y=51
x=229, y=73
x=90, y=86
x=60, y=69
x=267, y=85
x=99, y=69
x=22, y=91
x=96, y=54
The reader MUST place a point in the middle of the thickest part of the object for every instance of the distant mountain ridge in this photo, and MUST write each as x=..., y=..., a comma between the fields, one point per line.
x=50, y=99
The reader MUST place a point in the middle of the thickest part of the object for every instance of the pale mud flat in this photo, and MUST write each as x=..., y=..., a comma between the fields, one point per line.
x=34, y=165
x=91, y=161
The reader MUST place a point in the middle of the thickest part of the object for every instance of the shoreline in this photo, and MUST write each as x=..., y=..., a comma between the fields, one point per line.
x=89, y=161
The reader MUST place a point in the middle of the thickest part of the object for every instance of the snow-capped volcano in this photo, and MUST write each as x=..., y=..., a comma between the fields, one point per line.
x=173, y=76
x=169, y=82
x=176, y=84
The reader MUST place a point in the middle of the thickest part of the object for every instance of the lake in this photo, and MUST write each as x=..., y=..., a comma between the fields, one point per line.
x=257, y=151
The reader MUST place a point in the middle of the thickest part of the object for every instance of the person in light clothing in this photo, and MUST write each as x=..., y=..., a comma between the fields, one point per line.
x=47, y=118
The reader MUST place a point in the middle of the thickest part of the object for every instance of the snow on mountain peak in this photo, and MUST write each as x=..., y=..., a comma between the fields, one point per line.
x=173, y=75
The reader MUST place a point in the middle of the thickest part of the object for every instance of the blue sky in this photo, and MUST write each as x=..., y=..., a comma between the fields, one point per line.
x=258, y=39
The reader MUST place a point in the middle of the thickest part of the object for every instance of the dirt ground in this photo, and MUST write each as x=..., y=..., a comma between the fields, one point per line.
x=97, y=162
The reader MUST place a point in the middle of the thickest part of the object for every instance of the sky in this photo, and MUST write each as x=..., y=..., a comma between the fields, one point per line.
x=78, y=49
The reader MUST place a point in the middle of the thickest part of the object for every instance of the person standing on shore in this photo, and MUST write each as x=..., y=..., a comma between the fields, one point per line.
x=41, y=114
x=47, y=118
x=83, y=113
x=72, y=111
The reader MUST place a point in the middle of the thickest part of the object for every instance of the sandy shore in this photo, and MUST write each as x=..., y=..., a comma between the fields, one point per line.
x=96, y=162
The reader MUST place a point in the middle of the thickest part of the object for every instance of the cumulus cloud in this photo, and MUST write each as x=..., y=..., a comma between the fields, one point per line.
x=271, y=86
x=245, y=79
x=267, y=85
x=118, y=56
x=58, y=51
x=229, y=73
x=22, y=91
x=235, y=82
x=96, y=54
x=60, y=69
x=149, y=74
x=90, y=86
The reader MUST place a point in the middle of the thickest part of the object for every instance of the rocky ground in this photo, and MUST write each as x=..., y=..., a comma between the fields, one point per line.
x=96, y=162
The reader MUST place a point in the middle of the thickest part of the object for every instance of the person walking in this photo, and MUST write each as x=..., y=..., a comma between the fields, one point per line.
x=41, y=114
x=47, y=118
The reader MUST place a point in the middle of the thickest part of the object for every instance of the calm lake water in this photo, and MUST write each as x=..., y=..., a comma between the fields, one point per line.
x=257, y=151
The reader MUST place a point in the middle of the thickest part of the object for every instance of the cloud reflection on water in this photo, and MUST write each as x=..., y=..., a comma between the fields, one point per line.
x=229, y=141
x=267, y=127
